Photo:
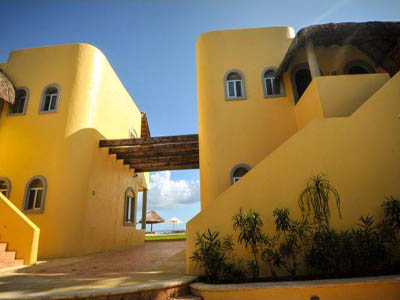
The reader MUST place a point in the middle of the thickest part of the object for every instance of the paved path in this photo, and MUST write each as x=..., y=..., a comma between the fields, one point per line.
x=153, y=262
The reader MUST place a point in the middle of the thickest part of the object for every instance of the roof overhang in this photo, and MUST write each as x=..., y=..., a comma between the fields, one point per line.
x=7, y=91
x=379, y=40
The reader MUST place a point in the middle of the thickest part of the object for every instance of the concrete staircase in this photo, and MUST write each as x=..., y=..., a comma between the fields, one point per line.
x=7, y=258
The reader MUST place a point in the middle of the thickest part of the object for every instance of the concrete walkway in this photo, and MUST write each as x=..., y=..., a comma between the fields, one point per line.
x=153, y=264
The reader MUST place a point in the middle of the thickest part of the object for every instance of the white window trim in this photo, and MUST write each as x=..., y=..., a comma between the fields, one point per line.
x=43, y=99
x=235, y=179
x=26, y=198
x=8, y=190
x=243, y=85
x=132, y=208
x=281, y=87
x=9, y=113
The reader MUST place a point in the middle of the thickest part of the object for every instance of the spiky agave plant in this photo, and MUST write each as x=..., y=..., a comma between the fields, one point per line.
x=314, y=200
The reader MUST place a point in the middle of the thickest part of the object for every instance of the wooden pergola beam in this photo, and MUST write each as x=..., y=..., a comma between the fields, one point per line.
x=149, y=140
x=163, y=164
x=156, y=159
x=173, y=147
x=156, y=153
x=166, y=168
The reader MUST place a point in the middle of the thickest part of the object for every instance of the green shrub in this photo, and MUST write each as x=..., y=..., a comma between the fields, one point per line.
x=369, y=248
x=293, y=236
x=215, y=256
x=251, y=235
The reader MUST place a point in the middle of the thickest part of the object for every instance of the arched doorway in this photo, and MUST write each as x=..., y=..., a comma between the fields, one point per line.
x=301, y=78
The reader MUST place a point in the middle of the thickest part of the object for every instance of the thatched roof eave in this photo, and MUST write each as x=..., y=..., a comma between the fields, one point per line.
x=7, y=91
x=378, y=40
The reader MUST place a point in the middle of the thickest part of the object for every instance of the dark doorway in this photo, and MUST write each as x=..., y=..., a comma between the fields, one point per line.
x=357, y=70
x=302, y=78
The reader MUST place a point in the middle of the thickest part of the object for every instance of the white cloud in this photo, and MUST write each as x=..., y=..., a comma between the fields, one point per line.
x=166, y=193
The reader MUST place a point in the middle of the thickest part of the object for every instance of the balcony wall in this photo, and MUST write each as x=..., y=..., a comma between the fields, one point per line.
x=336, y=96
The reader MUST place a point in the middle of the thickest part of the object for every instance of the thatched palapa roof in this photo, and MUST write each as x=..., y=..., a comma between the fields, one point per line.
x=379, y=40
x=7, y=91
x=145, y=129
x=153, y=218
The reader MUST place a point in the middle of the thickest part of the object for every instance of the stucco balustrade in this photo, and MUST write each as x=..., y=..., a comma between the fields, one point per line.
x=20, y=233
x=332, y=96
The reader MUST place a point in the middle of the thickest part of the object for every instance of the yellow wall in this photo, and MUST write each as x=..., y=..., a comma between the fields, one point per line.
x=336, y=96
x=348, y=289
x=360, y=154
x=240, y=131
x=13, y=221
x=63, y=147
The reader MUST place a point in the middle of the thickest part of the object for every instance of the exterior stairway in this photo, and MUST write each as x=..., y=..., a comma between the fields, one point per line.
x=7, y=258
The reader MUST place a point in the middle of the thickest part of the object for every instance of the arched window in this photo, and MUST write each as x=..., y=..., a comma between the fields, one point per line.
x=35, y=194
x=272, y=88
x=21, y=99
x=358, y=67
x=130, y=207
x=5, y=187
x=238, y=172
x=50, y=99
x=234, y=85
x=301, y=78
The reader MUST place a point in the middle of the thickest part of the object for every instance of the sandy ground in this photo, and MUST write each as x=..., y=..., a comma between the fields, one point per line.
x=152, y=262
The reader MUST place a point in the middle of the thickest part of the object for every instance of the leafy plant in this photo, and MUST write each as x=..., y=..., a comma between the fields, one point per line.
x=270, y=255
x=212, y=254
x=294, y=235
x=250, y=225
x=392, y=211
x=314, y=200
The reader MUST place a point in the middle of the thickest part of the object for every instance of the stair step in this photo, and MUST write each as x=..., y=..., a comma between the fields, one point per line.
x=187, y=297
x=13, y=263
x=3, y=247
x=7, y=256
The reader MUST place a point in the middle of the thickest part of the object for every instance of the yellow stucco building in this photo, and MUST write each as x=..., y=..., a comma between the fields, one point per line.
x=276, y=108
x=60, y=191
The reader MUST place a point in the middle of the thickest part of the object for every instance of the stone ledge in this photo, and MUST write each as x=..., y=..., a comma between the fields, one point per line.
x=108, y=292
x=323, y=282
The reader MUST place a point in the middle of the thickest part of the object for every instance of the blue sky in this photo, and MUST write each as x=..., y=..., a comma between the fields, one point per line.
x=151, y=46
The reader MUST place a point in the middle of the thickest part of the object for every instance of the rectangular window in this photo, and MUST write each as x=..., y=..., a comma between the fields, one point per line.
x=31, y=199
x=35, y=198
x=231, y=89
x=53, y=100
x=238, y=89
x=129, y=206
x=272, y=86
x=47, y=103
x=234, y=89
x=18, y=106
x=269, y=85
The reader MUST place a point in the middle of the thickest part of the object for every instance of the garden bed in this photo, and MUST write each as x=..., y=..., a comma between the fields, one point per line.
x=371, y=288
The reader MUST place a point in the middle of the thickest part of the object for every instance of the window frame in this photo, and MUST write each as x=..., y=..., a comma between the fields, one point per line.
x=359, y=63
x=243, y=85
x=43, y=99
x=264, y=84
x=133, y=208
x=234, y=179
x=9, y=113
x=43, y=197
x=8, y=182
